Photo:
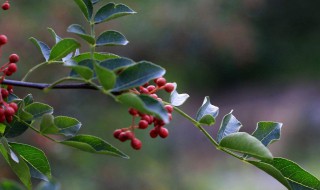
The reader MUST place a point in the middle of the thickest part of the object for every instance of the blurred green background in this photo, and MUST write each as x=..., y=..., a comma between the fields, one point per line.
x=258, y=57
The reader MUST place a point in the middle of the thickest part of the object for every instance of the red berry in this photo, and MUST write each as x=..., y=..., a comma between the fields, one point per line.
x=7, y=72
x=169, y=108
x=4, y=93
x=163, y=132
x=133, y=112
x=2, y=118
x=9, y=111
x=151, y=119
x=151, y=88
x=9, y=119
x=12, y=67
x=123, y=136
x=145, y=85
x=9, y=87
x=154, y=96
x=116, y=133
x=14, y=106
x=136, y=144
x=143, y=90
x=169, y=87
x=170, y=116
x=1, y=112
x=153, y=133
x=143, y=124
x=3, y=39
x=13, y=58
x=146, y=117
x=5, y=6
x=129, y=134
x=161, y=81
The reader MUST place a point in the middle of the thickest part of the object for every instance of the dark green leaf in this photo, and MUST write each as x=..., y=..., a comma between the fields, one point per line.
x=112, y=11
x=229, y=125
x=88, y=63
x=117, y=64
x=298, y=178
x=10, y=185
x=145, y=104
x=49, y=185
x=44, y=48
x=21, y=169
x=272, y=171
x=28, y=99
x=77, y=29
x=207, y=113
x=55, y=35
x=137, y=75
x=67, y=126
x=267, y=132
x=111, y=38
x=2, y=129
x=177, y=99
x=83, y=71
x=13, y=98
x=38, y=109
x=244, y=143
x=94, y=145
x=85, y=7
x=63, y=48
x=106, y=77
x=34, y=157
x=97, y=56
x=47, y=125
x=15, y=128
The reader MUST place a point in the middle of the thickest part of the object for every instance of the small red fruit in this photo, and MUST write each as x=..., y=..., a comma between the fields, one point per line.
x=14, y=106
x=151, y=88
x=6, y=6
x=4, y=93
x=3, y=40
x=123, y=136
x=136, y=144
x=133, y=112
x=9, y=111
x=116, y=133
x=169, y=108
x=161, y=81
x=153, y=133
x=14, y=58
x=169, y=87
x=9, y=119
x=143, y=124
x=163, y=132
x=12, y=67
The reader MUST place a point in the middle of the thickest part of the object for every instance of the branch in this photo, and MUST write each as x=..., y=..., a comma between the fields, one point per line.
x=42, y=86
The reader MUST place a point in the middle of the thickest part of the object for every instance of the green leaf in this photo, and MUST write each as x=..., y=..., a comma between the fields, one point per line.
x=97, y=56
x=67, y=126
x=112, y=11
x=106, y=77
x=177, y=99
x=55, y=35
x=47, y=125
x=244, y=143
x=78, y=29
x=83, y=71
x=144, y=104
x=49, y=185
x=111, y=38
x=44, y=48
x=207, y=113
x=13, y=98
x=38, y=109
x=267, y=132
x=86, y=8
x=93, y=144
x=272, y=171
x=28, y=99
x=229, y=125
x=21, y=168
x=117, y=64
x=15, y=128
x=296, y=176
x=2, y=129
x=88, y=63
x=10, y=185
x=63, y=48
x=137, y=75
x=35, y=158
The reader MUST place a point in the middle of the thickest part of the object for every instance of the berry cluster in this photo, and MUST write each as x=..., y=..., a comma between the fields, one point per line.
x=6, y=5
x=7, y=110
x=145, y=120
